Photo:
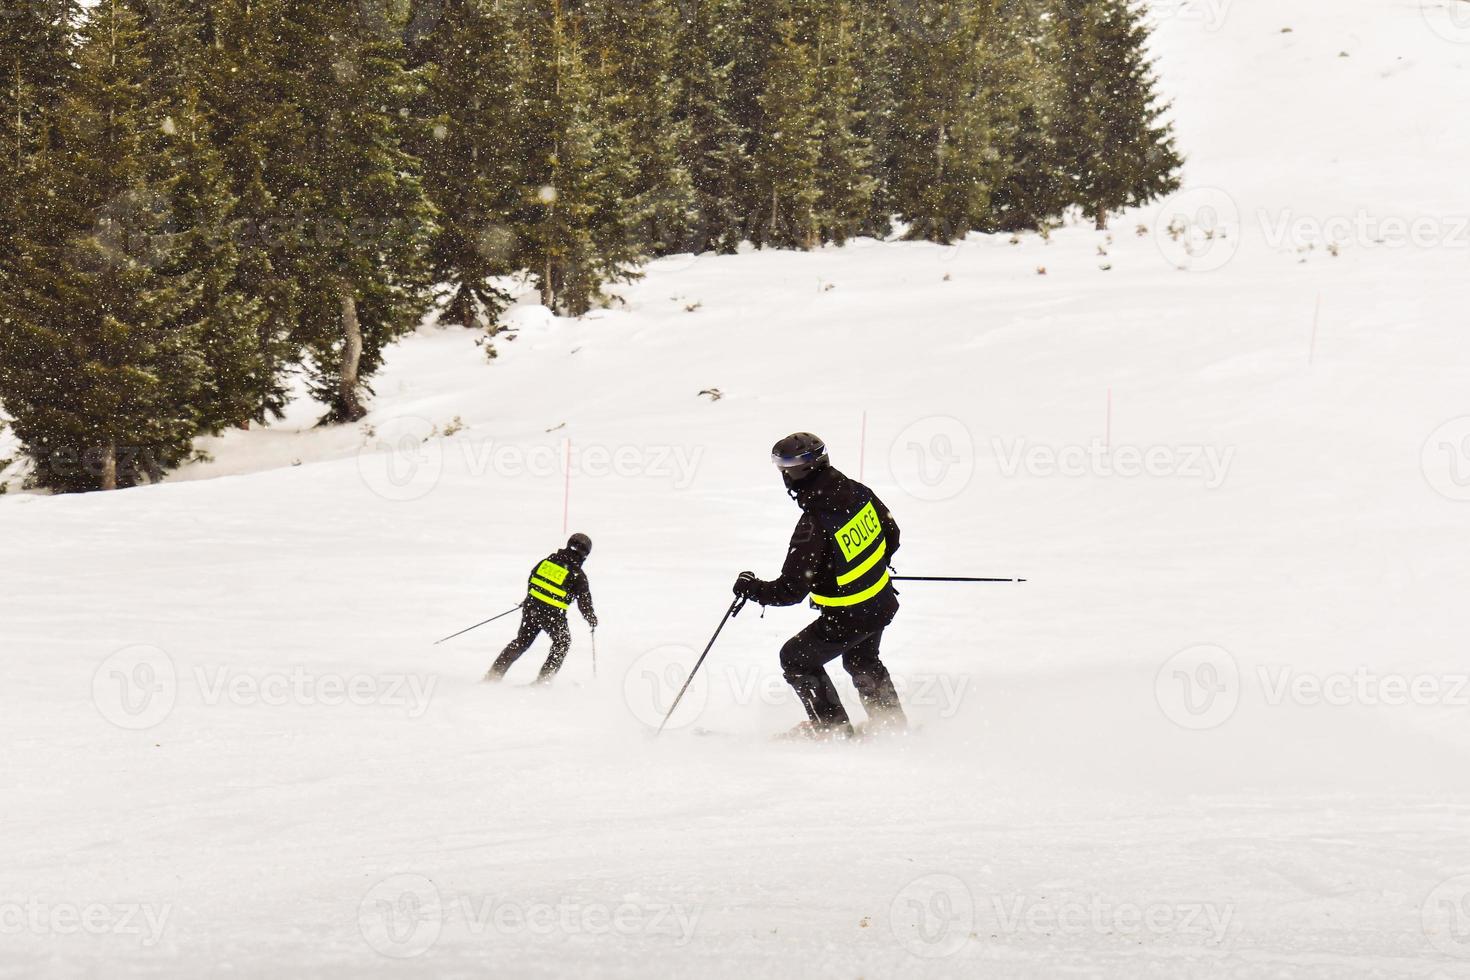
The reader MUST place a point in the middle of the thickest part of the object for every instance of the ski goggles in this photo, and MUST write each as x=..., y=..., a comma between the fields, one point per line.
x=799, y=461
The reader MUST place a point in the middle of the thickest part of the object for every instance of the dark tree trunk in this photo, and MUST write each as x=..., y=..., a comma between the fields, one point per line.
x=108, y=476
x=462, y=309
x=349, y=407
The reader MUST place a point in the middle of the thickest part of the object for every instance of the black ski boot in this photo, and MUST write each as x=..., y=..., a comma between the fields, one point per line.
x=808, y=731
x=880, y=701
x=826, y=718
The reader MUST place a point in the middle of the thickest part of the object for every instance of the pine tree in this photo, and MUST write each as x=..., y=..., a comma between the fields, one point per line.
x=577, y=227
x=244, y=356
x=36, y=41
x=1004, y=92
x=635, y=48
x=1029, y=194
x=35, y=61
x=751, y=29
x=845, y=179
x=787, y=155
x=36, y=45
x=877, y=53
x=1112, y=143
x=471, y=149
x=714, y=151
x=347, y=216
x=100, y=359
x=242, y=375
x=244, y=82
x=943, y=164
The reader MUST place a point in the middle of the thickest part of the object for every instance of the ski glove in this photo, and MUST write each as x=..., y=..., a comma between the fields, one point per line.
x=592, y=621
x=744, y=585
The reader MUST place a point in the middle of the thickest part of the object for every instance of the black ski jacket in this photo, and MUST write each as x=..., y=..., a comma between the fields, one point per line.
x=548, y=590
x=840, y=550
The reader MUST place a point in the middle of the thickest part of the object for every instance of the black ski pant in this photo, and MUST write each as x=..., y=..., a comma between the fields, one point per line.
x=536, y=618
x=804, y=659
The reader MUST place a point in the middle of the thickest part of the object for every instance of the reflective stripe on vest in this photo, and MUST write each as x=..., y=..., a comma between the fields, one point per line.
x=865, y=565
x=549, y=600
x=852, y=600
x=542, y=587
x=541, y=583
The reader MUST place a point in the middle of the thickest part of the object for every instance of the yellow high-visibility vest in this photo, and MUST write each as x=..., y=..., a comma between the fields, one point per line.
x=864, y=573
x=546, y=584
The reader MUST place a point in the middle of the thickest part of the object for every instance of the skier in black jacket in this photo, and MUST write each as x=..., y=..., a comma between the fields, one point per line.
x=839, y=556
x=554, y=584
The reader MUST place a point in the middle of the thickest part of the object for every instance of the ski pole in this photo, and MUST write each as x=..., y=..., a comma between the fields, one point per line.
x=478, y=625
x=594, y=653
x=948, y=578
x=734, y=610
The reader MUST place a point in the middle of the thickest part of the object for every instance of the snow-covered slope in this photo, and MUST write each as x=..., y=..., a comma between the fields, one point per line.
x=1221, y=730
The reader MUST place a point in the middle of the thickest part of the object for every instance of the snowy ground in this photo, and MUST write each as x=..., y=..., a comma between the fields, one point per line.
x=1222, y=731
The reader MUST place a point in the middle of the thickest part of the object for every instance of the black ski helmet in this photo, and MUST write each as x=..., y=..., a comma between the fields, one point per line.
x=800, y=455
x=580, y=543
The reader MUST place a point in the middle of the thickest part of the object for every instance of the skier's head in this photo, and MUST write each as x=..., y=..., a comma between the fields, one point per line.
x=580, y=544
x=800, y=457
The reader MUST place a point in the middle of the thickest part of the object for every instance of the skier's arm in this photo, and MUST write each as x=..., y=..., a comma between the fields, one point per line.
x=890, y=526
x=584, y=599
x=803, y=562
